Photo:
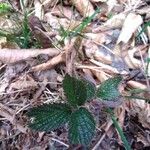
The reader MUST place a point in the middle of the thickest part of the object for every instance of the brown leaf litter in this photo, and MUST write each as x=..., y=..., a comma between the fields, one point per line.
x=107, y=46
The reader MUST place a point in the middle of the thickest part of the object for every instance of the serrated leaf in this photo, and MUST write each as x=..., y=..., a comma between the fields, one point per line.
x=108, y=90
x=75, y=90
x=49, y=116
x=90, y=89
x=81, y=127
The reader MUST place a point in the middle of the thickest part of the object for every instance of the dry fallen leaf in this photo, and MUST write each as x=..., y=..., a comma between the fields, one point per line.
x=102, y=57
x=99, y=38
x=141, y=51
x=131, y=24
x=49, y=3
x=131, y=61
x=9, y=25
x=47, y=77
x=3, y=86
x=4, y=43
x=111, y=4
x=104, y=67
x=40, y=33
x=23, y=83
x=142, y=110
x=90, y=48
x=101, y=75
x=39, y=9
x=144, y=138
x=61, y=11
x=54, y=21
x=145, y=10
x=115, y=22
x=136, y=85
x=93, y=51
x=85, y=7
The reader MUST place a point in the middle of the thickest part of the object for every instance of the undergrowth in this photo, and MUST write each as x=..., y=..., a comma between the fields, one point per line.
x=25, y=38
x=80, y=120
x=21, y=33
x=77, y=30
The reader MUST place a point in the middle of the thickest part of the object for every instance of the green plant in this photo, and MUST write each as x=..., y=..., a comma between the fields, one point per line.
x=147, y=24
x=115, y=122
x=23, y=40
x=84, y=23
x=81, y=122
x=21, y=36
x=5, y=8
x=79, y=29
x=21, y=32
x=136, y=94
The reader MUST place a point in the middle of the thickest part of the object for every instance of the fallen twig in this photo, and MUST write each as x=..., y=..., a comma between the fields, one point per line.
x=9, y=115
x=14, y=55
x=51, y=63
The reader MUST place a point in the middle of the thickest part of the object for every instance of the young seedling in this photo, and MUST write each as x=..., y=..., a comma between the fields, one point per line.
x=80, y=121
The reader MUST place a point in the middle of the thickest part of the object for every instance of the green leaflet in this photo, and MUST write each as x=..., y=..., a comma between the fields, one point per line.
x=108, y=90
x=75, y=90
x=78, y=91
x=49, y=116
x=90, y=90
x=81, y=127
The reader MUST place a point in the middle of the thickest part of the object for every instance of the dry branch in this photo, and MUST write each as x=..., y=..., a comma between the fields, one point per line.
x=14, y=55
x=51, y=63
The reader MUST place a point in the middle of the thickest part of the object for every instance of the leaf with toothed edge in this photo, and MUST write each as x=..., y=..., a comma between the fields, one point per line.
x=108, y=90
x=81, y=127
x=90, y=89
x=49, y=116
x=75, y=90
x=78, y=91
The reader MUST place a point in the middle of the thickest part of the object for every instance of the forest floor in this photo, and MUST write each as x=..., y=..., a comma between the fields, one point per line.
x=42, y=40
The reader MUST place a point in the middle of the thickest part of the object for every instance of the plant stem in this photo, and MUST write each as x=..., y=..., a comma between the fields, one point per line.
x=118, y=128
